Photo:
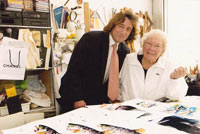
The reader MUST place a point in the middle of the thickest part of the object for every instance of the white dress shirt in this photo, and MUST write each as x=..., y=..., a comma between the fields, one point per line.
x=111, y=42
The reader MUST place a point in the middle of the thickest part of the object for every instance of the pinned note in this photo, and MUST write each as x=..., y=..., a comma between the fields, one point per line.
x=10, y=90
x=48, y=39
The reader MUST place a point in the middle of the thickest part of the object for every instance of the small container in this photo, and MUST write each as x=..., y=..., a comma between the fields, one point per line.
x=197, y=82
x=25, y=109
x=70, y=26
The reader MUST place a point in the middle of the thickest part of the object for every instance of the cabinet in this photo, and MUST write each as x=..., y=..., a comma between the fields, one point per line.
x=11, y=22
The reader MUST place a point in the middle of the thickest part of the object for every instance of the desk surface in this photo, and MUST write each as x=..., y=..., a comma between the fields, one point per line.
x=94, y=117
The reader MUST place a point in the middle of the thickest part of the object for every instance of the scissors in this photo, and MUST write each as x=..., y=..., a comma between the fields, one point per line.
x=73, y=14
x=80, y=25
x=114, y=11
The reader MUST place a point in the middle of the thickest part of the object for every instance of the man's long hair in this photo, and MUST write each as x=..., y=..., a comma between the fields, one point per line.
x=119, y=18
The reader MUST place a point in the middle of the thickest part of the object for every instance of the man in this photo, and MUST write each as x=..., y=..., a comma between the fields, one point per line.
x=86, y=79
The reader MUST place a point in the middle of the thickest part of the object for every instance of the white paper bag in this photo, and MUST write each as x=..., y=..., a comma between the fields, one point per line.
x=12, y=62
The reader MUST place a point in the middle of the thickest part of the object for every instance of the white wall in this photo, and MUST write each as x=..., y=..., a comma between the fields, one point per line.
x=136, y=5
x=104, y=8
x=158, y=14
x=183, y=31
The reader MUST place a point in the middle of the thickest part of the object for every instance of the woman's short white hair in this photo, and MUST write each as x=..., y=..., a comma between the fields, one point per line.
x=155, y=32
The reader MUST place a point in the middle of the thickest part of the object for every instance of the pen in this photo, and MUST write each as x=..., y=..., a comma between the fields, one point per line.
x=151, y=105
x=145, y=114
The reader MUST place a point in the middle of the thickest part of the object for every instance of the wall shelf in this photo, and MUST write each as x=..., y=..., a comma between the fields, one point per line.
x=18, y=26
x=42, y=24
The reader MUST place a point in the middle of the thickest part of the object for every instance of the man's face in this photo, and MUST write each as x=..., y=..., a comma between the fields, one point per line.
x=121, y=31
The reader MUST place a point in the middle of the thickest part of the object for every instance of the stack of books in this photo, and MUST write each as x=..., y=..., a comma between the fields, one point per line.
x=61, y=16
x=28, y=5
x=42, y=5
x=15, y=5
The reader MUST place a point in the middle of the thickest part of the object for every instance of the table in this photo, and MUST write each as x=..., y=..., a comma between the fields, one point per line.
x=112, y=117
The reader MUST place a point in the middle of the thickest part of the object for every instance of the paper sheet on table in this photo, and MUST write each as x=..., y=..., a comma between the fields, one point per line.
x=147, y=105
x=93, y=116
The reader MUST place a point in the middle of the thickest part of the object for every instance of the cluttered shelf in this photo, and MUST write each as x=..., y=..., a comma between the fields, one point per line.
x=48, y=111
x=20, y=26
x=35, y=93
x=25, y=18
x=43, y=109
x=40, y=68
x=31, y=25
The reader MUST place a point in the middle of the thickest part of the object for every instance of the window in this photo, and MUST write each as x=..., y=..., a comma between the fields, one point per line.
x=183, y=28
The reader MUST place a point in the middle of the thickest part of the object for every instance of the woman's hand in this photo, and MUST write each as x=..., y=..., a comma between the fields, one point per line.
x=178, y=72
x=79, y=104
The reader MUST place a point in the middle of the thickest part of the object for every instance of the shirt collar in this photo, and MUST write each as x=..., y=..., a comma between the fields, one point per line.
x=111, y=41
x=134, y=61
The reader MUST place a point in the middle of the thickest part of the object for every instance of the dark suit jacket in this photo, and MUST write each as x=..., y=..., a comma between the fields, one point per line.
x=84, y=77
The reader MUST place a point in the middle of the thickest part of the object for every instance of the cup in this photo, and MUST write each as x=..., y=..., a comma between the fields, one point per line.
x=197, y=82
x=70, y=27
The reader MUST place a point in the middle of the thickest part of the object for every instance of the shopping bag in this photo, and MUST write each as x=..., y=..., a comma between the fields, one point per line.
x=12, y=62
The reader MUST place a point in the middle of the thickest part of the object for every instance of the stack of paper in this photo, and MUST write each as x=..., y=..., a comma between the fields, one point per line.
x=42, y=5
x=15, y=5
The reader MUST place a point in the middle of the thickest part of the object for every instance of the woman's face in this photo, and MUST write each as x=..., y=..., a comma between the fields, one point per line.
x=152, y=48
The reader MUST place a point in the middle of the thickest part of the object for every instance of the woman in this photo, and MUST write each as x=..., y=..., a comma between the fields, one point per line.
x=150, y=75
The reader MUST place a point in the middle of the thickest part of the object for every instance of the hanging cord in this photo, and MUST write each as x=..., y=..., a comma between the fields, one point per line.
x=11, y=58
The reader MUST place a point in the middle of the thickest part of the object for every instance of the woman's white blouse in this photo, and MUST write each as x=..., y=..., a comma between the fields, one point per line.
x=156, y=85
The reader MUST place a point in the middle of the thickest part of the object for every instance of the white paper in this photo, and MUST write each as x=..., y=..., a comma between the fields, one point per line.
x=47, y=58
x=12, y=62
x=95, y=115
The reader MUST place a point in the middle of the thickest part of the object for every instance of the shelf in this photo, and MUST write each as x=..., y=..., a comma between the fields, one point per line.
x=29, y=21
x=43, y=109
x=19, y=26
x=42, y=68
x=48, y=111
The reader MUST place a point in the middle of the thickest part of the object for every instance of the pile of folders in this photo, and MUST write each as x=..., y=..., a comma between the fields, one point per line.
x=26, y=18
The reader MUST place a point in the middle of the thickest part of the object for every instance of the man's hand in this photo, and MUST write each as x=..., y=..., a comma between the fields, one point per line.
x=79, y=104
x=178, y=72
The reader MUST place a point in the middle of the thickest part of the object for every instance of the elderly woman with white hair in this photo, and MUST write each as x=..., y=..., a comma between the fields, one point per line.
x=150, y=75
